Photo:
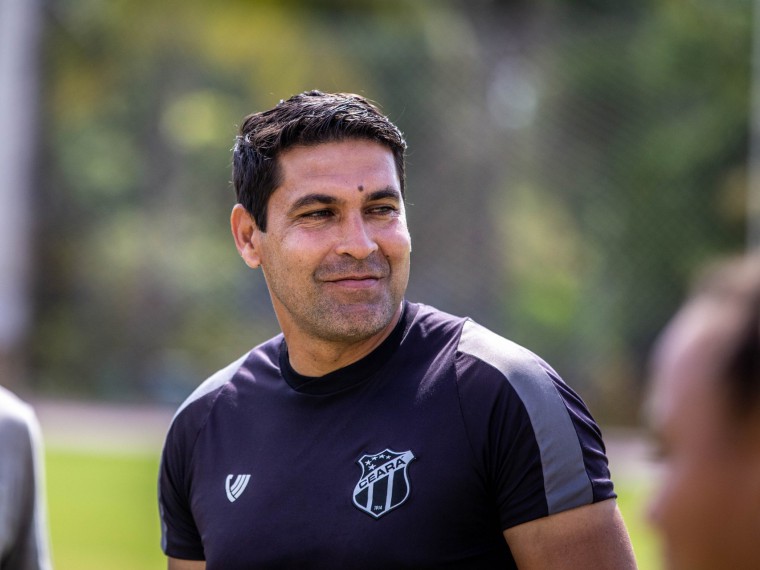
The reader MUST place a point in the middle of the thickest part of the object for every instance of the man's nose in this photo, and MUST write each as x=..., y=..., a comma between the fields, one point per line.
x=356, y=238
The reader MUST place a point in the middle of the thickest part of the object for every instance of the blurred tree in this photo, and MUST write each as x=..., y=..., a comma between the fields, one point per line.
x=642, y=151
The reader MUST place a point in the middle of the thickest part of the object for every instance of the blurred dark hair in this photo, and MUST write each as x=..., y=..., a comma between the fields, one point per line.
x=306, y=119
x=735, y=285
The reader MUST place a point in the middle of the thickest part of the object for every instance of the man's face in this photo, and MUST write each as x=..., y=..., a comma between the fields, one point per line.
x=707, y=506
x=336, y=251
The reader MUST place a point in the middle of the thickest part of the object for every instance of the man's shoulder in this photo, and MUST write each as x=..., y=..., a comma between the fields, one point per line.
x=526, y=373
x=424, y=312
x=498, y=351
x=473, y=339
x=265, y=352
x=430, y=322
x=489, y=365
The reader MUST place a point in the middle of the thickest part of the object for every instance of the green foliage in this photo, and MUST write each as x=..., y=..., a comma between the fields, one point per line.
x=638, y=176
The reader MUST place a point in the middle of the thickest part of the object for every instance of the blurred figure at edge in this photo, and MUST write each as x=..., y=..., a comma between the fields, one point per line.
x=23, y=531
x=705, y=412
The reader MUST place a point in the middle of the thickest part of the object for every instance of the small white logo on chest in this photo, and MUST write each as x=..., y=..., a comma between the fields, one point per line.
x=236, y=488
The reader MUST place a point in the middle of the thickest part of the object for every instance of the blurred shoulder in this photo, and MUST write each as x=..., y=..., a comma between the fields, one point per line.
x=14, y=410
x=20, y=432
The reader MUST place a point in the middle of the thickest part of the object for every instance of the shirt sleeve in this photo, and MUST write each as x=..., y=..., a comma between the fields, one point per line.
x=180, y=537
x=536, y=443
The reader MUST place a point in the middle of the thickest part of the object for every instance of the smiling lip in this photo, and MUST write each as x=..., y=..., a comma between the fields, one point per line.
x=355, y=281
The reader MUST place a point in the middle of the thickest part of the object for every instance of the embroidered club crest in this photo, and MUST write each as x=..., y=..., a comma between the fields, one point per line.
x=384, y=484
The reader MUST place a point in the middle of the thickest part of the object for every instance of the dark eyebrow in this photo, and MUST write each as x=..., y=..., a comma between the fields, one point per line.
x=384, y=193
x=311, y=200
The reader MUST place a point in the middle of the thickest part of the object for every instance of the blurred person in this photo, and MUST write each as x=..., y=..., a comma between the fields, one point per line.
x=373, y=432
x=705, y=413
x=23, y=533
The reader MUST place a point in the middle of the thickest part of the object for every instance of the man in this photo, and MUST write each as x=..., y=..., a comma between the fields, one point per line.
x=23, y=534
x=374, y=432
x=705, y=412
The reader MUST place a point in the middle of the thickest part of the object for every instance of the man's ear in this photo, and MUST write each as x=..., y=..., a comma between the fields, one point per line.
x=243, y=229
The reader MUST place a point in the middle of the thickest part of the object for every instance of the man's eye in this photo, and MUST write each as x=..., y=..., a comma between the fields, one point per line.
x=382, y=210
x=317, y=214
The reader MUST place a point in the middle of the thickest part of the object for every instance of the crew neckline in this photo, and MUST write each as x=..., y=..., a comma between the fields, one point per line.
x=353, y=374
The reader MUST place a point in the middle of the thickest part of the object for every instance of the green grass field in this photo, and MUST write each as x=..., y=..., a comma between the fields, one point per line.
x=103, y=513
x=632, y=498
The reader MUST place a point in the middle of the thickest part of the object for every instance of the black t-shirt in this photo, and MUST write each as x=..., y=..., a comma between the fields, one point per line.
x=417, y=456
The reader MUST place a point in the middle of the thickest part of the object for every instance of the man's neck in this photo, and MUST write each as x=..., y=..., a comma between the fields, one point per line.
x=315, y=357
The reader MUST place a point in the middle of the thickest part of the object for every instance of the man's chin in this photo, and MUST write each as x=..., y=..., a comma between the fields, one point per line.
x=358, y=322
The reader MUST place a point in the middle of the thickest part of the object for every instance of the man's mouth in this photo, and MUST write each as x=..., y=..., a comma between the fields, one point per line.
x=357, y=278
